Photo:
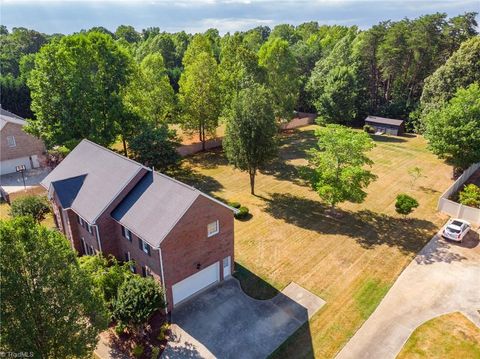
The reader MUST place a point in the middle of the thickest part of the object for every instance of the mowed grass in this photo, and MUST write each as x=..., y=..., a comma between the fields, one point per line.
x=449, y=336
x=350, y=261
x=35, y=191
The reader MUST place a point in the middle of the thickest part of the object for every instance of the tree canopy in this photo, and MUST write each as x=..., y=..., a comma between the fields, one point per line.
x=339, y=163
x=453, y=130
x=249, y=141
x=76, y=89
x=48, y=304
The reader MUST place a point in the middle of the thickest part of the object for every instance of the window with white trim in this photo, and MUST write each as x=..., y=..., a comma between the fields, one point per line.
x=85, y=248
x=144, y=246
x=89, y=228
x=11, y=141
x=126, y=234
x=213, y=228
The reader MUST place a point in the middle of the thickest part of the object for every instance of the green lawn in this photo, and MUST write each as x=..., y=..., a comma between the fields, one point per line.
x=449, y=336
x=350, y=261
x=5, y=207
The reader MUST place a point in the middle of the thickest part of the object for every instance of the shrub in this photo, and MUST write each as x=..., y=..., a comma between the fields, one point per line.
x=405, y=204
x=368, y=129
x=155, y=353
x=234, y=204
x=137, y=351
x=138, y=298
x=32, y=206
x=242, y=213
x=119, y=328
x=470, y=196
x=163, y=331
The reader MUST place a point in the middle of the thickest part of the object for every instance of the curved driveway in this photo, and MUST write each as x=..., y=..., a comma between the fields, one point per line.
x=444, y=277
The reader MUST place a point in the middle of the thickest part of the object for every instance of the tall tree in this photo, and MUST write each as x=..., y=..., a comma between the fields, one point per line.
x=238, y=67
x=250, y=141
x=48, y=304
x=460, y=70
x=76, y=89
x=279, y=63
x=155, y=146
x=199, y=95
x=127, y=33
x=333, y=83
x=453, y=130
x=338, y=164
x=149, y=94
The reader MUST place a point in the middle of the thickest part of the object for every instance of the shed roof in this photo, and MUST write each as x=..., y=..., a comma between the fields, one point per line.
x=384, y=121
x=9, y=117
x=105, y=173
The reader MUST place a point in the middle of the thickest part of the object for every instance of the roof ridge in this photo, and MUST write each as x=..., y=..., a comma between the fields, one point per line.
x=115, y=153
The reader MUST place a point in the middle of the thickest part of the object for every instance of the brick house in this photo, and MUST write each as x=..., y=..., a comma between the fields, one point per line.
x=16, y=146
x=107, y=203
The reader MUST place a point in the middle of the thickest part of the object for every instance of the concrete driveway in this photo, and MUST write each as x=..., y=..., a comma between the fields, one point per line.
x=444, y=277
x=224, y=322
x=13, y=182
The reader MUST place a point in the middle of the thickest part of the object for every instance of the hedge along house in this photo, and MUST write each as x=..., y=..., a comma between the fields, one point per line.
x=389, y=126
x=106, y=203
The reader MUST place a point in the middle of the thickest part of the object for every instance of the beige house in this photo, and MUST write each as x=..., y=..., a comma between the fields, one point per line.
x=16, y=146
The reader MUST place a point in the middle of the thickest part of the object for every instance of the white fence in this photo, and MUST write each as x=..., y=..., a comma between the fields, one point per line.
x=456, y=209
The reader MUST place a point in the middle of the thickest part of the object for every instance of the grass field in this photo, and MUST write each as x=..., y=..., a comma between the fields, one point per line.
x=350, y=261
x=449, y=336
x=5, y=207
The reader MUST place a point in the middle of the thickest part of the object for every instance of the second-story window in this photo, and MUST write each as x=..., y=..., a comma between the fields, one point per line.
x=89, y=229
x=126, y=233
x=213, y=228
x=11, y=141
x=144, y=246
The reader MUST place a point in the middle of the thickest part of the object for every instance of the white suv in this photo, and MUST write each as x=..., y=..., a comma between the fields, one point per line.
x=456, y=229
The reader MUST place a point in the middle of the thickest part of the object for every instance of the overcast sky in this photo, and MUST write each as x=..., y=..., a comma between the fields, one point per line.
x=67, y=16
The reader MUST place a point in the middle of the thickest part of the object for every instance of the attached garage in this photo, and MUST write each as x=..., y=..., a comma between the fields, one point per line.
x=195, y=283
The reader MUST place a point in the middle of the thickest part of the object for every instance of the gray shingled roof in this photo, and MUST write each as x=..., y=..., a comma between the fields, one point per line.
x=106, y=174
x=154, y=206
x=385, y=121
x=7, y=116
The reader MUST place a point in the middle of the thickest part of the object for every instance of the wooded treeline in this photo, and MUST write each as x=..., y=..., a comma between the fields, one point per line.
x=105, y=85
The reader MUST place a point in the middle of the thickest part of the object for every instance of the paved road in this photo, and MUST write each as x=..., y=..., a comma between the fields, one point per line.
x=224, y=322
x=443, y=278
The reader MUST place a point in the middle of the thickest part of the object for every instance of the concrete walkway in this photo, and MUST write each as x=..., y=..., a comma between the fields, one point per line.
x=444, y=277
x=224, y=322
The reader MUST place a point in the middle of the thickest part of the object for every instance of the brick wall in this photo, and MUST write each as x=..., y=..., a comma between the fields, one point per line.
x=188, y=243
x=26, y=144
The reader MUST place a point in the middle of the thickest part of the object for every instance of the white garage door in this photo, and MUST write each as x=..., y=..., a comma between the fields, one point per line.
x=194, y=283
x=8, y=166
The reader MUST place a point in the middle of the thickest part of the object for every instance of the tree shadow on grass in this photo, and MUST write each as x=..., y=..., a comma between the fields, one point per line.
x=292, y=146
x=253, y=285
x=208, y=159
x=369, y=229
x=388, y=139
x=188, y=175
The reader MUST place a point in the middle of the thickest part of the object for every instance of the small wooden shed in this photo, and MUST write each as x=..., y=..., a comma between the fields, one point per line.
x=389, y=126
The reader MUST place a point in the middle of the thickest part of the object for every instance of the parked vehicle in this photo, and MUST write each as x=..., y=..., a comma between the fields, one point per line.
x=456, y=229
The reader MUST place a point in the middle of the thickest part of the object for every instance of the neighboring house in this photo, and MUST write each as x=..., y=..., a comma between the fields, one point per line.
x=389, y=126
x=107, y=203
x=17, y=146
